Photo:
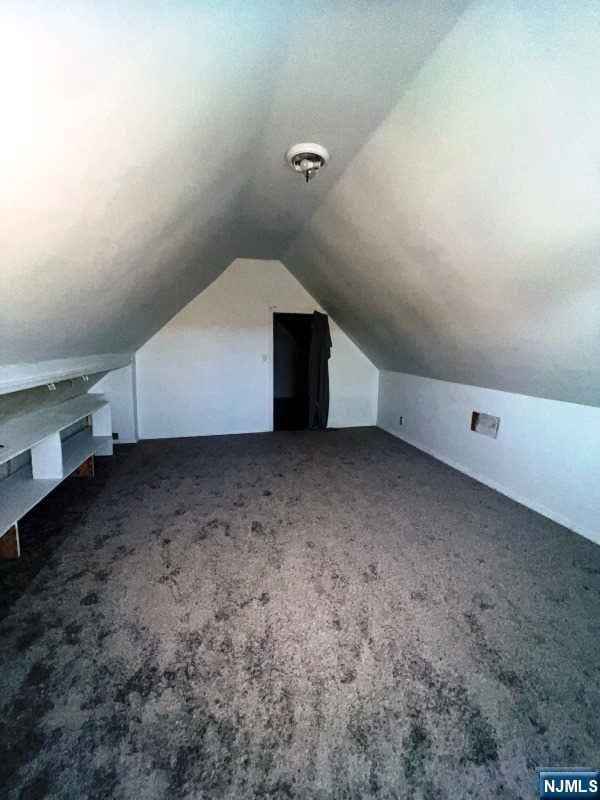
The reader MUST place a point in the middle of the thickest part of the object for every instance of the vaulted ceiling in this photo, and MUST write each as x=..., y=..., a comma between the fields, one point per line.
x=455, y=233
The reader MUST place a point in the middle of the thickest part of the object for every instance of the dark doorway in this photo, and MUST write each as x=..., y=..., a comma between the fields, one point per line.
x=291, y=349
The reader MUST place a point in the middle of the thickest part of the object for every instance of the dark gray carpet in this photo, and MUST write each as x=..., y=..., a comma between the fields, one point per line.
x=296, y=615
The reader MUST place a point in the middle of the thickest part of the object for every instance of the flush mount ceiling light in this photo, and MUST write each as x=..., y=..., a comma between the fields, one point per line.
x=307, y=158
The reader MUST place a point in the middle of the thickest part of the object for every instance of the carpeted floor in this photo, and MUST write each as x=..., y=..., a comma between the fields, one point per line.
x=294, y=615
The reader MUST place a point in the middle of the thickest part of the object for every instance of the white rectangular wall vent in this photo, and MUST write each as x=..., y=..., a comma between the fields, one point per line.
x=485, y=424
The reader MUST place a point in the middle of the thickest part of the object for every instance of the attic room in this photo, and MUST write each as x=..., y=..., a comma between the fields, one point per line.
x=299, y=399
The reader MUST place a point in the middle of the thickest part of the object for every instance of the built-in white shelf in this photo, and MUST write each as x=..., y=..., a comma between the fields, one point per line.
x=21, y=492
x=25, y=432
x=80, y=447
x=52, y=458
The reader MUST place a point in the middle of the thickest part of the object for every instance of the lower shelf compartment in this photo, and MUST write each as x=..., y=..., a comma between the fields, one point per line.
x=20, y=492
x=79, y=447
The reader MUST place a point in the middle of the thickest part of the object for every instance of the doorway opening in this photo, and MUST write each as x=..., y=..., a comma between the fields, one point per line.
x=291, y=352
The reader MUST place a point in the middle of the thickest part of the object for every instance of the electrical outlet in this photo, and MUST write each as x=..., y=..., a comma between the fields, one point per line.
x=400, y=421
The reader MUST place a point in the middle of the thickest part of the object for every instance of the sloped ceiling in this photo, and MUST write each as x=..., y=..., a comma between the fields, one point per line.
x=455, y=233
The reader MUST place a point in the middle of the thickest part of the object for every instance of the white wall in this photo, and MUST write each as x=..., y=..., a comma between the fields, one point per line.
x=546, y=456
x=210, y=369
x=119, y=388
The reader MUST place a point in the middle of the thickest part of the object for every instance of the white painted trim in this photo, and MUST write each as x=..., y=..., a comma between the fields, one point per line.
x=136, y=399
x=594, y=536
x=15, y=377
x=136, y=427
x=102, y=427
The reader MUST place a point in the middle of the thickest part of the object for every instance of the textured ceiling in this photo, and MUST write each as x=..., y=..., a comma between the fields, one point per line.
x=455, y=233
x=464, y=241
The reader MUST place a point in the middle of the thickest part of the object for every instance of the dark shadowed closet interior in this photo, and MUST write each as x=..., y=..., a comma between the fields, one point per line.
x=291, y=350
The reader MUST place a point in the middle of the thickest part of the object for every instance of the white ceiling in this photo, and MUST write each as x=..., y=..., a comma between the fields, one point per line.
x=455, y=233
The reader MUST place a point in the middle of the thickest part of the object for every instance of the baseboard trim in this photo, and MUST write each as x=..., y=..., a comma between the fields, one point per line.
x=145, y=436
x=593, y=536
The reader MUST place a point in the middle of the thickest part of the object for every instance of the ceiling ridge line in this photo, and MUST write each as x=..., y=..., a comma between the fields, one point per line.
x=410, y=81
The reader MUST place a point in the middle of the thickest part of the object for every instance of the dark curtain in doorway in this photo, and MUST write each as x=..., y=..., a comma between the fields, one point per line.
x=318, y=373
